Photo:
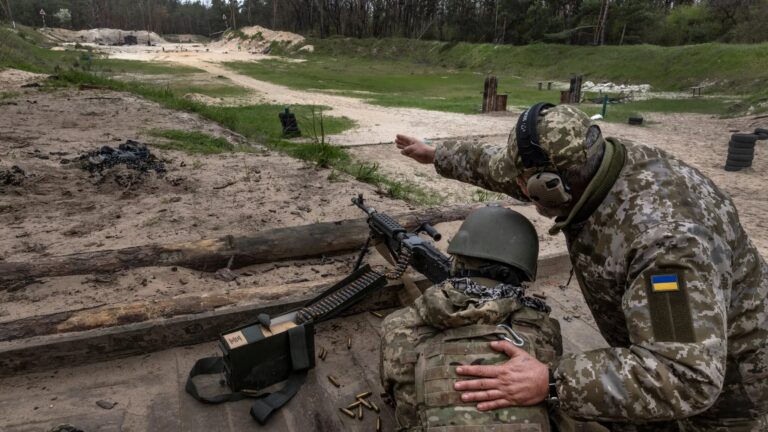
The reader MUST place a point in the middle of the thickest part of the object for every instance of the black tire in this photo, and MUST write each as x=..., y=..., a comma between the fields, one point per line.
x=732, y=168
x=635, y=121
x=761, y=131
x=736, y=163
x=740, y=158
x=743, y=138
x=741, y=151
x=741, y=145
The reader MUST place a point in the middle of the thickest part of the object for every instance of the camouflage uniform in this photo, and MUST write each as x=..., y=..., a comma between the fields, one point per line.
x=693, y=350
x=422, y=344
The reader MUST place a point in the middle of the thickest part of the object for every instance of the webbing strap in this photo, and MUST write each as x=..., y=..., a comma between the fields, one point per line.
x=263, y=408
x=471, y=332
x=266, y=403
x=209, y=366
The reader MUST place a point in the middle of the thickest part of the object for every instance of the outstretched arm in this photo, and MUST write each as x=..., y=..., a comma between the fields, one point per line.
x=471, y=161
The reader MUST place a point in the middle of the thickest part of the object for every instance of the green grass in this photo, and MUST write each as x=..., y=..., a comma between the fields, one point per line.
x=120, y=66
x=25, y=49
x=620, y=112
x=191, y=142
x=449, y=76
x=260, y=123
x=403, y=84
x=178, y=78
x=391, y=83
x=733, y=68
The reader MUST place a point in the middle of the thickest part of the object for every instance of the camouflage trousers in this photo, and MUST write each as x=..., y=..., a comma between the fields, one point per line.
x=698, y=424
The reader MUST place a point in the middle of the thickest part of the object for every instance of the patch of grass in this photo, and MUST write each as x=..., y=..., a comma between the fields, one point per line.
x=8, y=95
x=619, y=113
x=260, y=122
x=191, y=142
x=180, y=79
x=403, y=84
x=26, y=49
x=119, y=66
x=449, y=76
x=731, y=67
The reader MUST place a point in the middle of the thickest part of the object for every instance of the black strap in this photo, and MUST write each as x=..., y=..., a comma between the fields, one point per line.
x=263, y=408
x=209, y=366
x=531, y=153
x=266, y=403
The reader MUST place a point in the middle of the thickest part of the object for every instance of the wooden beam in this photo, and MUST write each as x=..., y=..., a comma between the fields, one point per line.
x=68, y=349
x=288, y=243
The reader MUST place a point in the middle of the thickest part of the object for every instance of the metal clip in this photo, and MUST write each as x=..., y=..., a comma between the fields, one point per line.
x=516, y=339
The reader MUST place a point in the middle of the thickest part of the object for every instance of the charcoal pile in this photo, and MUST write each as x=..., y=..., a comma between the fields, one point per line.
x=12, y=177
x=133, y=155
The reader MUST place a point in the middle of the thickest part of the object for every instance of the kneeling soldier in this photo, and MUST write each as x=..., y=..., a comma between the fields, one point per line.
x=494, y=252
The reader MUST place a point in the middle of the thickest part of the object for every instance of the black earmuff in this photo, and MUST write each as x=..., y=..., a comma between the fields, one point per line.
x=546, y=188
x=528, y=146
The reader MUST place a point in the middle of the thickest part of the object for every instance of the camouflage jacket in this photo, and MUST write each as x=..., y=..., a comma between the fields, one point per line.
x=675, y=286
x=422, y=344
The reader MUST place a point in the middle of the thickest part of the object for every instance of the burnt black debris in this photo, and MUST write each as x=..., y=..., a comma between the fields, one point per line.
x=12, y=177
x=132, y=154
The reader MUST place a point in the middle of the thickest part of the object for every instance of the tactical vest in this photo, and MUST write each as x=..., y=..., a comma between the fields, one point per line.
x=440, y=406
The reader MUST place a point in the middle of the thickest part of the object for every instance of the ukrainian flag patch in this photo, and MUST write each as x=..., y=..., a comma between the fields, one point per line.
x=665, y=283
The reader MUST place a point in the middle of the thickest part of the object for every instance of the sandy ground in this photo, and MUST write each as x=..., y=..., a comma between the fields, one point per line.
x=60, y=209
x=375, y=124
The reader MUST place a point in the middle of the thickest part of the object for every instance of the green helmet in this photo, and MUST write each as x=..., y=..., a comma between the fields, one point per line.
x=498, y=234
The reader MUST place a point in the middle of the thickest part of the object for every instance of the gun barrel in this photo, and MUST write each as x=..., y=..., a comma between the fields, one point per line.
x=359, y=202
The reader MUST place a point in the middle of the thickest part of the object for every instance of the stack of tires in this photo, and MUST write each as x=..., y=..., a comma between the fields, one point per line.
x=741, y=149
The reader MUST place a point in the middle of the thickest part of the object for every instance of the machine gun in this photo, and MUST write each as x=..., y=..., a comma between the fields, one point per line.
x=282, y=348
x=404, y=248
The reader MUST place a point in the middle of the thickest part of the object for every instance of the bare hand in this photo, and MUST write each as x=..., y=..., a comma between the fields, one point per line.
x=521, y=381
x=415, y=148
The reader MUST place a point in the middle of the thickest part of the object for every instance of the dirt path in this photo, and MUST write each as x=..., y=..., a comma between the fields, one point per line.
x=375, y=123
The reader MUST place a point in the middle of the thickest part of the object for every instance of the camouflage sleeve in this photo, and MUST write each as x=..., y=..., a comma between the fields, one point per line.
x=675, y=311
x=475, y=163
x=398, y=361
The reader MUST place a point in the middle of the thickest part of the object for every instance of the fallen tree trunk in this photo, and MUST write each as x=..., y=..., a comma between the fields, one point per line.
x=130, y=313
x=209, y=255
x=54, y=349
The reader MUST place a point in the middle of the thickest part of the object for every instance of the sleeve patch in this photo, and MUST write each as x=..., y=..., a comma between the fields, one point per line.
x=671, y=318
x=664, y=283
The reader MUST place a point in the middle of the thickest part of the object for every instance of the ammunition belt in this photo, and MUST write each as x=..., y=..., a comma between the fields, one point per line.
x=402, y=264
x=337, y=299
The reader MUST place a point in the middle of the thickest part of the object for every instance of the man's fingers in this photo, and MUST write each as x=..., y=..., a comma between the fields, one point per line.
x=507, y=348
x=476, y=384
x=407, y=151
x=487, y=395
x=494, y=404
x=479, y=371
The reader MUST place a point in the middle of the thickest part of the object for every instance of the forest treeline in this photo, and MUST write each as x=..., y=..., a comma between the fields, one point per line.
x=663, y=22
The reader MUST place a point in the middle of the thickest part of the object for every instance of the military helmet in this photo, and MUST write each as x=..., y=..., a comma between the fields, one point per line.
x=498, y=234
x=566, y=135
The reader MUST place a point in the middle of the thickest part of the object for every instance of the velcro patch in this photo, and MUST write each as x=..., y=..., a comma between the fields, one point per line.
x=671, y=318
x=665, y=283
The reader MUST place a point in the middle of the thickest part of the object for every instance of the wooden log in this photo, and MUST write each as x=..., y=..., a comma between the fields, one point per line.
x=130, y=313
x=288, y=243
x=99, y=344
x=489, y=93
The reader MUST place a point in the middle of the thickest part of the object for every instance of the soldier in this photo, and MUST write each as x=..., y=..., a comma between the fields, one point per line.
x=452, y=323
x=672, y=280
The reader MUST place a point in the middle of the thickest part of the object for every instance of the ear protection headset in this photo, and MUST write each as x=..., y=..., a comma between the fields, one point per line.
x=546, y=188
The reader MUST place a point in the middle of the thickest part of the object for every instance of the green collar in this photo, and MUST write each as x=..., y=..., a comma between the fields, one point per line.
x=598, y=187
